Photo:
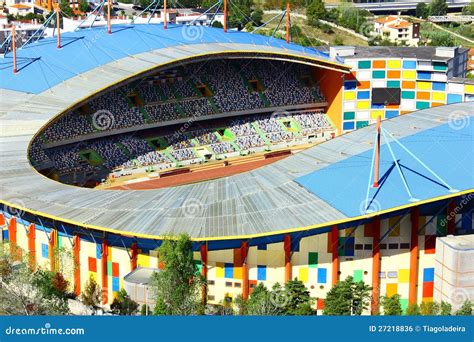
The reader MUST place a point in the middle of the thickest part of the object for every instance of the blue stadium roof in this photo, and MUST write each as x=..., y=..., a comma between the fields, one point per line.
x=446, y=151
x=41, y=65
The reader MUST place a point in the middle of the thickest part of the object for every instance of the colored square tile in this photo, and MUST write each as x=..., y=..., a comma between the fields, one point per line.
x=393, y=74
x=428, y=289
x=363, y=104
x=422, y=105
x=423, y=75
x=349, y=95
x=391, y=114
x=393, y=84
x=439, y=86
x=348, y=125
x=423, y=85
x=454, y=98
x=322, y=275
x=408, y=84
x=403, y=275
x=378, y=74
x=409, y=75
x=303, y=274
x=423, y=95
x=363, y=95
x=391, y=289
x=313, y=259
x=349, y=115
x=358, y=275
x=438, y=96
x=320, y=304
x=115, y=284
x=115, y=269
x=220, y=270
x=394, y=64
x=261, y=272
x=378, y=64
x=364, y=64
x=92, y=263
x=409, y=64
x=428, y=274
x=229, y=270
x=45, y=250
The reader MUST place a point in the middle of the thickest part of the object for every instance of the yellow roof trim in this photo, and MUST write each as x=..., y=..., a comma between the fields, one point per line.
x=236, y=237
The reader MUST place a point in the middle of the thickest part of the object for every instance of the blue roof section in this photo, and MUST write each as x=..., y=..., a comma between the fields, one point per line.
x=41, y=65
x=344, y=184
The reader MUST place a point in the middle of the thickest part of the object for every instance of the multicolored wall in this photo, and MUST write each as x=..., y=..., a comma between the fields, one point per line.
x=393, y=255
x=423, y=85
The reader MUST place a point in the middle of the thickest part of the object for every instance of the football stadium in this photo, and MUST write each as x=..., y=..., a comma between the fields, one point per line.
x=279, y=161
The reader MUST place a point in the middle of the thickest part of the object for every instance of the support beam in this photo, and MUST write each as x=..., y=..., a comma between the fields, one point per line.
x=58, y=25
x=225, y=15
x=77, y=264
x=244, y=251
x=165, y=18
x=53, y=241
x=287, y=247
x=415, y=225
x=50, y=5
x=288, y=22
x=377, y=154
x=12, y=235
x=334, y=240
x=109, y=29
x=375, y=265
x=105, y=279
x=32, y=246
x=15, y=70
x=134, y=260
x=204, y=272
x=451, y=217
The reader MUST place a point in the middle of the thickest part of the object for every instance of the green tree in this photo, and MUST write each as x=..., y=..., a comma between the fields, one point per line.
x=178, y=285
x=465, y=310
x=65, y=8
x=52, y=284
x=92, y=293
x=422, y=10
x=391, y=305
x=217, y=24
x=123, y=305
x=84, y=6
x=429, y=308
x=441, y=39
x=445, y=309
x=413, y=310
x=261, y=303
x=315, y=11
x=469, y=9
x=438, y=7
x=144, y=310
x=298, y=301
x=257, y=16
x=347, y=298
x=248, y=27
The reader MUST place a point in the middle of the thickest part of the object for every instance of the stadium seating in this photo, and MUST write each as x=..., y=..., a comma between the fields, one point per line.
x=134, y=150
x=176, y=96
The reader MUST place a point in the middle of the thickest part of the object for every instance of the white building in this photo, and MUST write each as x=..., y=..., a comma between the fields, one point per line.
x=397, y=30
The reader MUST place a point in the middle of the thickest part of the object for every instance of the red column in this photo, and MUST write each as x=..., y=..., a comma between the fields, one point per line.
x=52, y=249
x=334, y=237
x=32, y=246
x=415, y=225
x=204, y=272
x=134, y=261
x=105, y=286
x=2, y=220
x=244, y=250
x=451, y=217
x=77, y=264
x=12, y=232
x=375, y=265
x=287, y=247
